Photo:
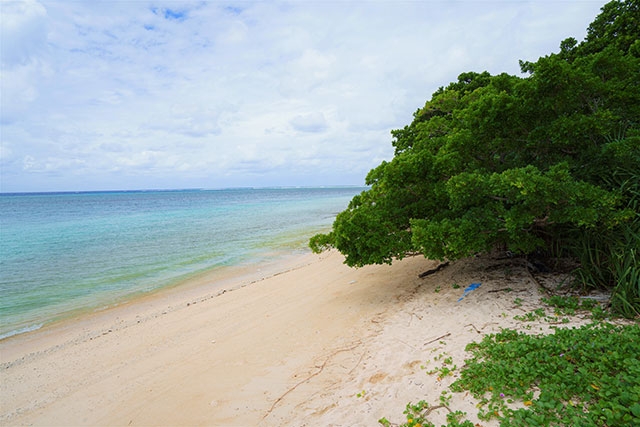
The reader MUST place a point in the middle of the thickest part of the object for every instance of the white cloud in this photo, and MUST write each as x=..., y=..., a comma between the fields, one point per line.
x=24, y=43
x=23, y=31
x=155, y=94
x=312, y=122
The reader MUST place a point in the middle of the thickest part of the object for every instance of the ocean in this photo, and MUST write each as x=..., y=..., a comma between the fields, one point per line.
x=63, y=253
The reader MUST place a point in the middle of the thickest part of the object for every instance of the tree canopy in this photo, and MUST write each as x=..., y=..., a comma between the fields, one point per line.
x=514, y=162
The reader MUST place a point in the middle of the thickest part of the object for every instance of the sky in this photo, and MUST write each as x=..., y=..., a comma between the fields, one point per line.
x=123, y=95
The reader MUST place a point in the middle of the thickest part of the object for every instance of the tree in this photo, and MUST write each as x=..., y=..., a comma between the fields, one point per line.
x=520, y=163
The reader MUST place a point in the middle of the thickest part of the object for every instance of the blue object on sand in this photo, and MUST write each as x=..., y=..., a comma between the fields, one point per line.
x=471, y=287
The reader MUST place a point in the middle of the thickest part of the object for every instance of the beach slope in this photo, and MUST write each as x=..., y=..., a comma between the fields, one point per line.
x=312, y=342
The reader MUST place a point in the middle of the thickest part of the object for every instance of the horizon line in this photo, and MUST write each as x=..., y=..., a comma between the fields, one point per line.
x=160, y=190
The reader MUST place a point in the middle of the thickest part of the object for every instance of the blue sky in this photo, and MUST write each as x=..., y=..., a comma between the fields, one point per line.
x=100, y=95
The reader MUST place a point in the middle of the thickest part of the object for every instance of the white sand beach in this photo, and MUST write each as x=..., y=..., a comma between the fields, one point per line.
x=307, y=342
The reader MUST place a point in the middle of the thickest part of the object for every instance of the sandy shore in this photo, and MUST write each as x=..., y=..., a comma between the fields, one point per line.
x=309, y=343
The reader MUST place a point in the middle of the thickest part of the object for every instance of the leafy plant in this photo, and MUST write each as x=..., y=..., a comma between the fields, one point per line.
x=610, y=259
x=584, y=376
x=546, y=163
x=447, y=368
x=569, y=305
x=416, y=416
x=587, y=376
x=531, y=316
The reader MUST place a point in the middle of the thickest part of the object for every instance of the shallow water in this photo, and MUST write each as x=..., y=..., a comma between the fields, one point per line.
x=63, y=252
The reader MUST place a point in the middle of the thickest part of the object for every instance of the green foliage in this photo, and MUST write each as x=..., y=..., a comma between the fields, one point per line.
x=618, y=22
x=416, y=415
x=362, y=244
x=569, y=305
x=531, y=316
x=548, y=163
x=609, y=258
x=563, y=306
x=587, y=376
x=447, y=367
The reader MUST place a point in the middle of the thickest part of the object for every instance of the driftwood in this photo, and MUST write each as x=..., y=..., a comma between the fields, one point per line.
x=433, y=408
x=433, y=270
x=438, y=339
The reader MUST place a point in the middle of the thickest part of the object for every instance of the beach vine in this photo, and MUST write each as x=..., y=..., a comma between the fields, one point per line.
x=587, y=376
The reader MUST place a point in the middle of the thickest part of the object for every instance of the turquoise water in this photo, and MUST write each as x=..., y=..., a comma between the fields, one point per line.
x=63, y=252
